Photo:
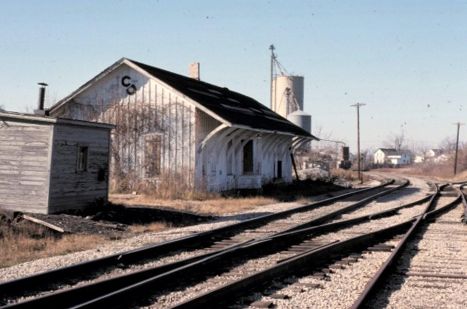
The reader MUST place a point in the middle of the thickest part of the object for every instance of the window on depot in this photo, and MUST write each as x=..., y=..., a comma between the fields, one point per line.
x=82, y=159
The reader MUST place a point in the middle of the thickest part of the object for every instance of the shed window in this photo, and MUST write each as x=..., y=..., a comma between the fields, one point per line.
x=248, y=157
x=82, y=159
x=152, y=155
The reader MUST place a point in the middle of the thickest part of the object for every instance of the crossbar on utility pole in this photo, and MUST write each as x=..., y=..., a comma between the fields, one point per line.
x=458, y=124
x=358, y=140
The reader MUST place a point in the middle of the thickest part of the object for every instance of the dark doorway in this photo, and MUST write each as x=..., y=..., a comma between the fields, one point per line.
x=248, y=158
x=279, y=169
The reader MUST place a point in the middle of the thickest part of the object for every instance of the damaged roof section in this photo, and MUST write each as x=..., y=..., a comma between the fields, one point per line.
x=232, y=106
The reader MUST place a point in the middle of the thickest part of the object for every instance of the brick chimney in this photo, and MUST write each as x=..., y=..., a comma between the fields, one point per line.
x=194, y=71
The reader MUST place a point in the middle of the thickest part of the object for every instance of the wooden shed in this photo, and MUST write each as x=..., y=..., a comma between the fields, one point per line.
x=49, y=165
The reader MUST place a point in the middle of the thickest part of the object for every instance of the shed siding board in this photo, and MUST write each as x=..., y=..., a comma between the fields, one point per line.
x=152, y=109
x=69, y=187
x=24, y=168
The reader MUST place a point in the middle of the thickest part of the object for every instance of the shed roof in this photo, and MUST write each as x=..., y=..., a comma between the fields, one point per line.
x=233, y=107
x=31, y=118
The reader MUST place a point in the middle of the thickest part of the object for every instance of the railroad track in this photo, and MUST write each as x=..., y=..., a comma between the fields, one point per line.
x=298, y=241
x=227, y=246
x=90, y=269
x=328, y=276
x=431, y=268
x=274, y=285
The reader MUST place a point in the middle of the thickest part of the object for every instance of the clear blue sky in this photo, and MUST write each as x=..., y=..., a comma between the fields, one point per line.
x=407, y=60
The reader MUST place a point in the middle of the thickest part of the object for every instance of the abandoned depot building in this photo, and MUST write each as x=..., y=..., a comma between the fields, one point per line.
x=168, y=129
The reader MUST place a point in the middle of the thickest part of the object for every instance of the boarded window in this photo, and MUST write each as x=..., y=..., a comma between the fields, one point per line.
x=82, y=159
x=152, y=155
x=248, y=157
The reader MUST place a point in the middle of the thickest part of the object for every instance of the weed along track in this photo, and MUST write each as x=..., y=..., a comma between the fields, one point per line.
x=172, y=254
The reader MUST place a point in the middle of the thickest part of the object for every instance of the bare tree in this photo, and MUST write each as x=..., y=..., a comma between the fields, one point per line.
x=397, y=141
x=448, y=144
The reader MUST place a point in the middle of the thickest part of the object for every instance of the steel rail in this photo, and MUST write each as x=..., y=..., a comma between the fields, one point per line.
x=44, y=280
x=294, y=266
x=303, y=262
x=114, y=290
x=372, y=286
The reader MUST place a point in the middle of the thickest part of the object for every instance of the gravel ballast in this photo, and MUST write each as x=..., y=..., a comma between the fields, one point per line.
x=422, y=276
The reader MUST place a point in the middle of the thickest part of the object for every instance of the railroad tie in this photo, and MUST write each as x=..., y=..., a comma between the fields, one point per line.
x=336, y=266
x=263, y=304
x=319, y=275
x=279, y=296
x=313, y=285
x=381, y=247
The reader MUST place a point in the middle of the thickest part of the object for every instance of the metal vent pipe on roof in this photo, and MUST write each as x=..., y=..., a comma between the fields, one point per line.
x=40, y=102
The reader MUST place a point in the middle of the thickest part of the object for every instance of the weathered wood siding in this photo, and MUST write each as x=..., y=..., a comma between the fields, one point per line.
x=70, y=188
x=24, y=166
x=153, y=108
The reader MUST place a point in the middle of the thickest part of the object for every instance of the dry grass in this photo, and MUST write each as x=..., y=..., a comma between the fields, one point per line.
x=209, y=206
x=348, y=175
x=168, y=186
x=443, y=171
x=439, y=172
x=28, y=243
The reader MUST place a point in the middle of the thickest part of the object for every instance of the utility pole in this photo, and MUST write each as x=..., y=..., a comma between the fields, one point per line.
x=458, y=124
x=358, y=139
x=273, y=58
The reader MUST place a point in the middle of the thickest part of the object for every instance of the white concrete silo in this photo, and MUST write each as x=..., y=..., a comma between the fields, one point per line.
x=287, y=94
x=301, y=119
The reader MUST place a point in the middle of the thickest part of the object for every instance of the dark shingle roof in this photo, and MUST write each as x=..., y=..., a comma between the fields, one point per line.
x=234, y=107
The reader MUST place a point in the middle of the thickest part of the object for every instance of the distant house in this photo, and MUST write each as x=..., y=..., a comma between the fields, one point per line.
x=390, y=157
x=50, y=165
x=419, y=159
